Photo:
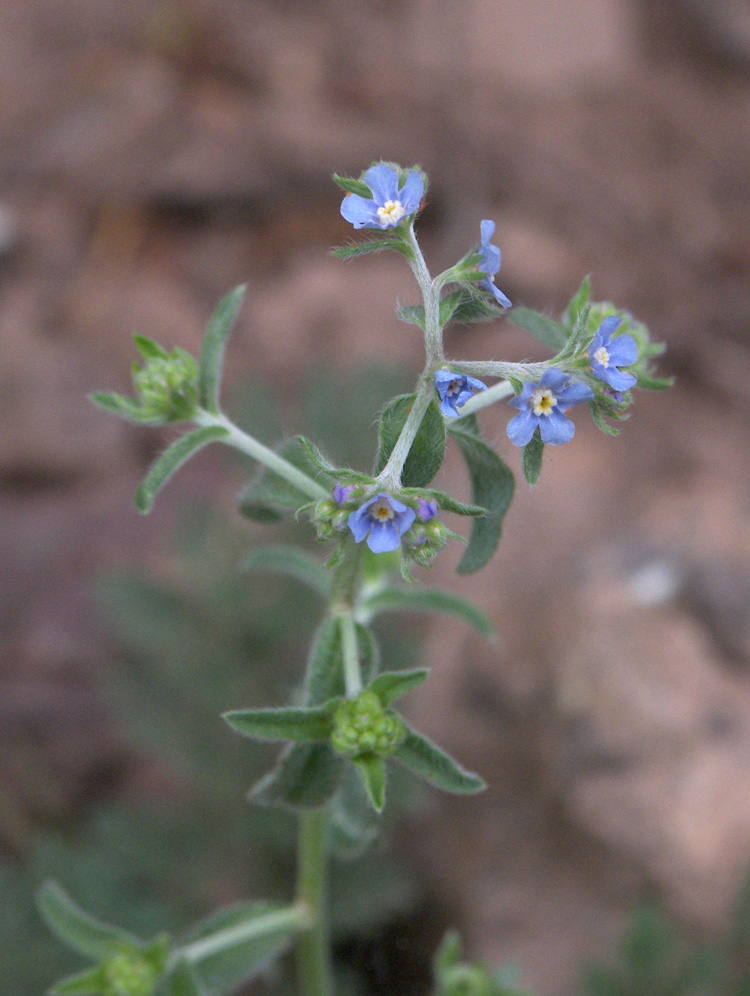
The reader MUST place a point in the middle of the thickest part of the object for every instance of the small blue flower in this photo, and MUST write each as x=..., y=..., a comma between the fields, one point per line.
x=455, y=390
x=491, y=260
x=389, y=205
x=543, y=405
x=383, y=521
x=608, y=355
x=427, y=509
x=343, y=493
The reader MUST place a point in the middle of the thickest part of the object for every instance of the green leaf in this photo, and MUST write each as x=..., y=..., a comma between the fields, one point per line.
x=317, y=459
x=549, y=332
x=78, y=929
x=182, y=981
x=263, y=497
x=301, y=725
x=324, y=678
x=391, y=685
x=532, y=458
x=413, y=314
x=306, y=777
x=448, y=504
x=599, y=420
x=291, y=562
x=353, y=821
x=214, y=343
x=425, y=759
x=578, y=303
x=448, y=954
x=149, y=349
x=234, y=944
x=428, y=449
x=654, y=383
x=87, y=983
x=351, y=186
x=171, y=460
x=127, y=408
x=432, y=600
x=372, y=770
x=492, y=485
x=464, y=307
x=368, y=248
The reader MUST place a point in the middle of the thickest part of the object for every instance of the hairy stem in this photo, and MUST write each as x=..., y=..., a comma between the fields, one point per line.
x=275, y=921
x=313, y=947
x=498, y=392
x=350, y=653
x=252, y=447
x=390, y=475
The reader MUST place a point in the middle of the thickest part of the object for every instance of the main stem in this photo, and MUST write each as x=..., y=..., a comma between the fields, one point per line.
x=313, y=947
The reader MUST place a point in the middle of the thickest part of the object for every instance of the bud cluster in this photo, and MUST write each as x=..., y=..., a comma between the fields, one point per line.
x=167, y=386
x=128, y=974
x=363, y=726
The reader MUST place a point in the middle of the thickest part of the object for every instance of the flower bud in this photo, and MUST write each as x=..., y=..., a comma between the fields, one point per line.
x=363, y=726
x=167, y=386
x=128, y=974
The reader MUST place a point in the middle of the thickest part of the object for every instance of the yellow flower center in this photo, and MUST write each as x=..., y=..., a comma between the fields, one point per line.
x=391, y=213
x=602, y=356
x=542, y=401
x=381, y=511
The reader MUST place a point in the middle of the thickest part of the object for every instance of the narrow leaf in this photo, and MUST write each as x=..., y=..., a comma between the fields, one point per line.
x=578, y=303
x=149, y=349
x=214, y=344
x=428, y=449
x=532, y=458
x=291, y=562
x=369, y=653
x=301, y=725
x=549, y=332
x=76, y=928
x=448, y=504
x=87, y=983
x=263, y=497
x=463, y=307
x=654, y=383
x=171, y=460
x=236, y=943
x=492, y=485
x=413, y=314
x=353, y=821
x=391, y=685
x=372, y=770
x=324, y=679
x=317, y=459
x=431, y=600
x=425, y=759
x=368, y=248
x=127, y=408
x=352, y=186
x=596, y=414
x=306, y=777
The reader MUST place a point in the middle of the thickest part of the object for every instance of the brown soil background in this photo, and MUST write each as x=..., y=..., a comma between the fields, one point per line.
x=154, y=155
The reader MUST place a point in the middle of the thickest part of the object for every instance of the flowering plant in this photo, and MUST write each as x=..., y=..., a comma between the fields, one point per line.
x=341, y=730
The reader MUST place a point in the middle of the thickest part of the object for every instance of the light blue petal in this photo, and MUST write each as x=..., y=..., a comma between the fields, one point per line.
x=619, y=380
x=443, y=379
x=609, y=326
x=487, y=228
x=359, y=212
x=404, y=520
x=412, y=192
x=395, y=504
x=557, y=429
x=554, y=379
x=382, y=180
x=521, y=428
x=623, y=352
x=448, y=408
x=501, y=299
x=522, y=400
x=383, y=538
x=475, y=384
x=574, y=394
x=360, y=524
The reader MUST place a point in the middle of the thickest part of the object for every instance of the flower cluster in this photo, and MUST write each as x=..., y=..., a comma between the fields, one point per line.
x=362, y=727
x=167, y=384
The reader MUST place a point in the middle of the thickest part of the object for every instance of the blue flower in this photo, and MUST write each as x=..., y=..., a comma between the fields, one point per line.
x=543, y=405
x=389, y=205
x=427, y=509
x=455, y=390
x=383, y=521
x=608, y=355
x=491, y=260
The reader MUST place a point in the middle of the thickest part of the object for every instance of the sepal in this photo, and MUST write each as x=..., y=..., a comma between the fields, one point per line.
x=368, y=248
x=466, y=306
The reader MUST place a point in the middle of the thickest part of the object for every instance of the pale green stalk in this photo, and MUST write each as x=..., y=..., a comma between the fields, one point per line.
x=350, y=653
x=296, y=916
x=252, y=447
x=390, y=475
x=314, y=973
x=483, y=399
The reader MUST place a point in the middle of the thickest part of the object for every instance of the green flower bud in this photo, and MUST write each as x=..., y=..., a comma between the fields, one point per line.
x=167, y=386
x=363, y=726
x=128, y=974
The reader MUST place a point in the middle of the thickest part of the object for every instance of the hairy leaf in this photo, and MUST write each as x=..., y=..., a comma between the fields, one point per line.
x=263, y=497
x=413, y=314
x=532, y=458
x=171, y=460
x=432, y=600
x=149, y=349
x=302, y=725
x=127, y=408
x=87, y=983
x=492, y=485
x=391, y=685
x=372, y=770
x=425, y=759
x=306, y=777
x=78, y=929
x=291, y=562
x=214, y=343
x=182, y=981
x=428, y=449
x=549, y=332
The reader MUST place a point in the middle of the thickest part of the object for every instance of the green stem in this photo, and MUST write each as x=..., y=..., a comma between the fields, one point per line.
x=503, y=389
x=497, y=368
x=390, y=475
x=295, y=917
x=252, y=447
x=350, y=653
x=313, y=947
x=430, y=288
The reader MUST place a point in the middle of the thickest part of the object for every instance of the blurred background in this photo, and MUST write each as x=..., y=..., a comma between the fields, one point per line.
x=156, y=154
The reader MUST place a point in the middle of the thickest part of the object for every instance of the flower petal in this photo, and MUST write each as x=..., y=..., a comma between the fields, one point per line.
x=404, y=520
x=412, y=192
x=609, y=326
x=382, y=180
x=623, y=351
x=487, y=228
x=574, y=394
x=554, y=379
x=619, y=380
x=359, y=212
x=522, y=427
x=360, y=524
x=557, y=428
x=501, y=299
x=383, y=538
x=522, y=400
